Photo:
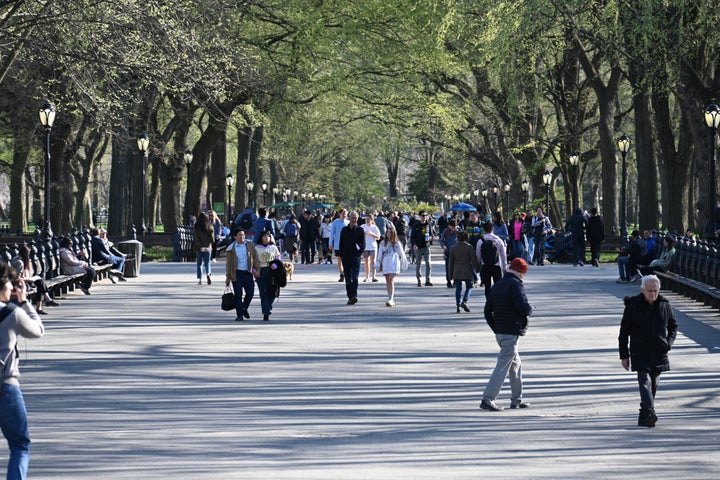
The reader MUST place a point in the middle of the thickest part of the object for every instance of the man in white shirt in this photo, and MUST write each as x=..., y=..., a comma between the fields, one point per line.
x=372, y=235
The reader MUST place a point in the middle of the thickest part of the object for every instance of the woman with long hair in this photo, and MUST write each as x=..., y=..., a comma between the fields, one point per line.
x=203, y=239
x=266, y=252
x=217, y=226
x=391, y=260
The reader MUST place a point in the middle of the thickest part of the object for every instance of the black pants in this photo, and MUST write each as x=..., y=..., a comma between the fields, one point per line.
x=351, y=269
x=490, y=273
x=88, y=279
x=594, y=250
x=648, y=382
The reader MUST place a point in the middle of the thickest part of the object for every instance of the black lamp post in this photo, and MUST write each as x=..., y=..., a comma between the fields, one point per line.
x=574, y=160
x=229, y=181
x=264, y=188
x=712, y=120
x=495, y=190
x=250, y=185
x=547, y=180
x=143, y=141
x=507, y=188
x=623, y=145
x=484, y=194
x=525, y=185
x=188, y=161
x=47, y=117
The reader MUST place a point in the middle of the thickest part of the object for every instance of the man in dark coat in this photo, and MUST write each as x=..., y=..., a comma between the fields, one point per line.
x=595, y=235
x=506, y=311
x=577, y=224
x=352, y=244
x=648, y=322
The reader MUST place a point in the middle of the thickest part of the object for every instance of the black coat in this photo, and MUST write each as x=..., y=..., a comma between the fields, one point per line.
x=507, y=307
x=651, y=330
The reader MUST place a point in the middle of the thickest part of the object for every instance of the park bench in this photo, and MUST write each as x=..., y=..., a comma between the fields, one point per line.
x=694, y=272
x=182, y=244
x=45, y=261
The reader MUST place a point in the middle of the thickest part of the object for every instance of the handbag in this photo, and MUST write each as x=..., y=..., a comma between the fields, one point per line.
x=228, y=298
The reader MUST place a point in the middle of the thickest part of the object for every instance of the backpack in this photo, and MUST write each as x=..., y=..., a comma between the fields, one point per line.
x=246, y=222
x=489, y=252
x=291, y=229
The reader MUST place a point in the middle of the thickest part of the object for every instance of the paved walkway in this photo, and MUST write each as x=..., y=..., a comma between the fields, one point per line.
x=151, y=380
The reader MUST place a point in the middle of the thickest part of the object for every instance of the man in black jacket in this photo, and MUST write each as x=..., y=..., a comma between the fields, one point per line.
x=648, y=322
x=420, y=238
x=352, y=244
x=506, y=311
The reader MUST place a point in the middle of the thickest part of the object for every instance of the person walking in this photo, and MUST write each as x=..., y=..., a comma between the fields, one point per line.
x=372, y=236
x=241, y=265
x=336, y=227
x=448, y=240
x=541, y=228
x=491, y=256
x=595, y=235
x=649, y=325
x=391, y=260
x=506, y=312
x=203, y=239
x=461, y=267
x=577, y=225
x=16, y=321
x=420, y=240
x=267, y=252
x=352, y=244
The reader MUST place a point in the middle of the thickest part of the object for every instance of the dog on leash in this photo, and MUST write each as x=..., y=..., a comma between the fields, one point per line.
x=289, y=269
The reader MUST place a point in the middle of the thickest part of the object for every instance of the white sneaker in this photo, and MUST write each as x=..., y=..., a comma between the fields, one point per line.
x=390, y=303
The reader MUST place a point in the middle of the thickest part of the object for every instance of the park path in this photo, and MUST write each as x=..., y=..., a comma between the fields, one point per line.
x=149, y=379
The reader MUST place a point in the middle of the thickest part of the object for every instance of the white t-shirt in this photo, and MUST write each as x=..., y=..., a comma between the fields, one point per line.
x=370, y=241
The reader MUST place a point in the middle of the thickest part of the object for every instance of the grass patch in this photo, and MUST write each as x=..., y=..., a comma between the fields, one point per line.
x=159, y=253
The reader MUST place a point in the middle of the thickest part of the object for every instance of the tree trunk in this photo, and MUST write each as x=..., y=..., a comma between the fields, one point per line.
x=216, y=179
x=120, y=212
x=18, y=207
x=254, y=170
x=646, y=163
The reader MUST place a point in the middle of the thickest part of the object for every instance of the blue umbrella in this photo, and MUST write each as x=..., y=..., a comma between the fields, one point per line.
x=463, y=207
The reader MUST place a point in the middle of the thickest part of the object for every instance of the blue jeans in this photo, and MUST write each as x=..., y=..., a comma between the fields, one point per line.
x=518, y=248
x=203, y=258
x=458, y=290
x=244, y=283
x=13, y=422
x=266, y=299
x=622, y=263
x=508, y=362
x=530, y=249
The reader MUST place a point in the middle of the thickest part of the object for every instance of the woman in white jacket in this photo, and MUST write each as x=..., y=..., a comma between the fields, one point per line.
x=391, y=260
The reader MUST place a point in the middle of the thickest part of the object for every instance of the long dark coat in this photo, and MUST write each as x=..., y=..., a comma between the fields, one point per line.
x=651, y=330
x=462, y=261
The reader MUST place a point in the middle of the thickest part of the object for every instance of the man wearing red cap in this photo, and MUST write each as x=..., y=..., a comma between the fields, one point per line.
x=506, y=311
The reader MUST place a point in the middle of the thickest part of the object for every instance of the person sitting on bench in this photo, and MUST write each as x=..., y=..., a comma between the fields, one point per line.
x=102, y=254
x=70, y=264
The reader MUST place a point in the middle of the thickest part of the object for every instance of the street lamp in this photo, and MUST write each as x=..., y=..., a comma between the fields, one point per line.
x=143, y=142
x=623, y=145
x=229, y=181
x=495, y=190
x=188, y=161
x=47, y=117
x=276, y=191
x=574, y=160
x=250, y=185
x=547, y=180
x=507, y=200
x=712, y=120
x=476, y=193
x=525, y=185
x=264, y=188
x=484, y=194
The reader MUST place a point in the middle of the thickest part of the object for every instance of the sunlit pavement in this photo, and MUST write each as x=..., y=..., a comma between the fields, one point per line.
x=149, y=379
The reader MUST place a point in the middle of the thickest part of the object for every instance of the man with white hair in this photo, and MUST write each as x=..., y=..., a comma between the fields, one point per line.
x=648, y=322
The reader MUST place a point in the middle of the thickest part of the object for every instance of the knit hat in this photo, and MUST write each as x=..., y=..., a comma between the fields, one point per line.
x=519, y=265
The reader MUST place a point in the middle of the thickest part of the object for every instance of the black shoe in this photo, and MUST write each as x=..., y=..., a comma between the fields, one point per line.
x=428, y=283
x=42, y=312
x=342, y=278
x=647, y=420
x=352, y=301
x=520, y=405
x=464, y=306
x=246, y=314
x=52, y=303
x=458, y=309
x=238, y=319
x=490, y=406
x=449, y=285
x=266, y=318
x=122, y=279
x=419, y=283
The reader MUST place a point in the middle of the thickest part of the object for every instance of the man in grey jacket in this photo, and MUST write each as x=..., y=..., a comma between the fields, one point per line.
x=506, y=311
